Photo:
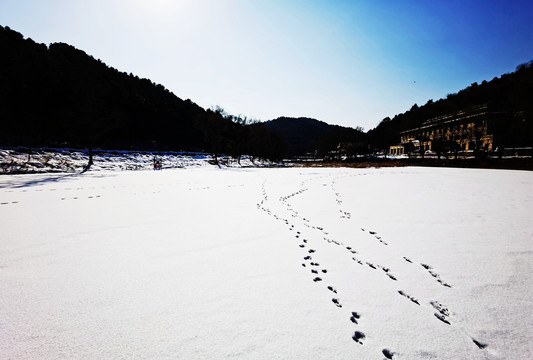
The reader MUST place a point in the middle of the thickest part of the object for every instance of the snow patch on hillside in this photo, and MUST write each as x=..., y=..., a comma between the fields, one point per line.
x=17, y=161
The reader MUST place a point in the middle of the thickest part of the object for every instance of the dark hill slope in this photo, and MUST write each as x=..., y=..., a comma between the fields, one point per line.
x=59, y=96
x=306, y=135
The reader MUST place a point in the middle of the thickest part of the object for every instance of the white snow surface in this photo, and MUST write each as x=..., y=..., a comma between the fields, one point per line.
x=209, y=263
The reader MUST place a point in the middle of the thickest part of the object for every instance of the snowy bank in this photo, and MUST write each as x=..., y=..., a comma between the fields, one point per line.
x=24, y=160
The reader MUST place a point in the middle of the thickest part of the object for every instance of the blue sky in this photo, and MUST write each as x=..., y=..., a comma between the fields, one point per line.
x=350, y=63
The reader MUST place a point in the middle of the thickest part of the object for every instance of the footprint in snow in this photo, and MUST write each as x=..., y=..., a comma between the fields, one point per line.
x=358, y=336
x=435, y=275
x=409, y=297
x=392, y=276
x=336, y=302
x=479, y=344
x=443, y=312
x=317, y=279
x=442, y=318
x=443, y=283
x=355, y=316
x=331, y=288
x=387, y=353
x=357, y=260
x=314, y=271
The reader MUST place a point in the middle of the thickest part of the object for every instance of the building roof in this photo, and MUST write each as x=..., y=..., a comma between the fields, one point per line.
x=451, y=118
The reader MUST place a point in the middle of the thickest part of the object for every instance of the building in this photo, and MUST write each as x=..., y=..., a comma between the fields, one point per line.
x=470, y=129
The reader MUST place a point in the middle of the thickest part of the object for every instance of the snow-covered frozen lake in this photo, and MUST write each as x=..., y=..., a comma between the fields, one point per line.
x=296, y=263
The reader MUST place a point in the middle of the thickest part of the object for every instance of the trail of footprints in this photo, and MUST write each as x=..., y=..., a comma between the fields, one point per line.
x=318, y=272
x=68, y=189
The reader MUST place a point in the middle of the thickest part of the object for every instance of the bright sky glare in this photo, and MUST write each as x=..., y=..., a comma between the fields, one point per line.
x=346, y=62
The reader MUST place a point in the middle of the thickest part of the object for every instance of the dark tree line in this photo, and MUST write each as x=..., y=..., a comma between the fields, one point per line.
x=58, y=96
x=305, y=135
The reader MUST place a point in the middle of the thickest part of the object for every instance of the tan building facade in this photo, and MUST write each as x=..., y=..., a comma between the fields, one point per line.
x=464, y=130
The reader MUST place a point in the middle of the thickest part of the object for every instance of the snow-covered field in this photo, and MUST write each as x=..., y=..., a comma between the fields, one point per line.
x=296, y=263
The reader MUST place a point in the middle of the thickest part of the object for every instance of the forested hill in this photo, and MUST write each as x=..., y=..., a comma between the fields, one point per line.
x=59, y=96
x=306, y=135
x=511, y=94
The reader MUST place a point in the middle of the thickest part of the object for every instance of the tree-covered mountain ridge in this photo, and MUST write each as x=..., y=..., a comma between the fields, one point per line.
x=307, y=135
x=59, y=96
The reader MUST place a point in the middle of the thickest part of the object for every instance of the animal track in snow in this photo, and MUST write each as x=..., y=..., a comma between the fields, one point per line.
x=358, y=336
x=317, y=279
x=387, y=353
x=409, y=297
x=479, y=344
x=435, y=275
x=336, y=302
x=332, y=289
x=355, y=317
x=443, y=283
x=357, y=260
x=443, y=312
x=442, y=318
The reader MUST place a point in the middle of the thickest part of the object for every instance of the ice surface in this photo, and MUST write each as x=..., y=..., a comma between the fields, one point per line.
x=208, y=263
